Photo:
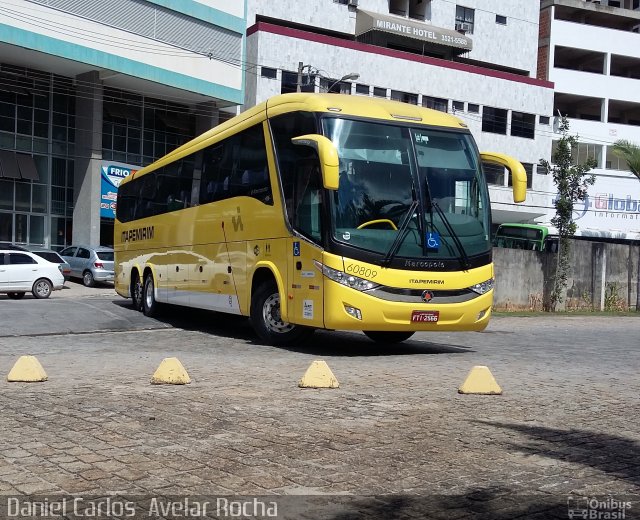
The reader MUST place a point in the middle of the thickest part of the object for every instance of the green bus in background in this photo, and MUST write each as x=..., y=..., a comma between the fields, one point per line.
x=532, y=237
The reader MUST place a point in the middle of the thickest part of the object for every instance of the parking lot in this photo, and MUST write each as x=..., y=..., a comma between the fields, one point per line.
x=396, y=440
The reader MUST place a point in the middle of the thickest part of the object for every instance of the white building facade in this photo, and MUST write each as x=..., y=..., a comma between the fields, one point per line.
x=92, y=90
x=591, y=52
x=477, y=59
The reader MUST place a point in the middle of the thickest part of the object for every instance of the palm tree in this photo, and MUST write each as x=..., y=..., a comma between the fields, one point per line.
x=630, y=152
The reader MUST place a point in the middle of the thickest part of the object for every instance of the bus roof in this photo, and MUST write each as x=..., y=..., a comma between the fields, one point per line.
x=342, y=104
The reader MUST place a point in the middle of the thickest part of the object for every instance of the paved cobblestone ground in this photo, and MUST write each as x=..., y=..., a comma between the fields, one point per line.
x=566, y=424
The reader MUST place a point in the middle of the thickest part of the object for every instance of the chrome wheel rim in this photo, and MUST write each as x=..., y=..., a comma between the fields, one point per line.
x=42, y=288
x=87, y=278
x=272, y=317
x=148, y=295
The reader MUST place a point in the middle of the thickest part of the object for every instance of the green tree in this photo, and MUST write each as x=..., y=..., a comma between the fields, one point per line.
x=630, y=152
x=572, y=182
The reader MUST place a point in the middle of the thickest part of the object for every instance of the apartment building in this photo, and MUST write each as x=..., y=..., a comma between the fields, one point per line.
x=590, y=50
x=92, y=90
x=475, y=58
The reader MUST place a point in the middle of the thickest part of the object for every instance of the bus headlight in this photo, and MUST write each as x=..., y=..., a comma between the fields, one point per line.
x=355, y=282
x=484, y=287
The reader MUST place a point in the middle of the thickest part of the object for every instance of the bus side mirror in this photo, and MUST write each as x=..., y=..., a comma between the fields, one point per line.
x=328, y=155
x=518, y=173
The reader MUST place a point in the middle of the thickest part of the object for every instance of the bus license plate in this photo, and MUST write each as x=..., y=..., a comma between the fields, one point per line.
x=425, y=316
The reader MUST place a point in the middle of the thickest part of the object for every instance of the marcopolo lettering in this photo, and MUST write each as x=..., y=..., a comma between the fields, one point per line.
x=430, y=282
x=134, y=235
x=424, y=264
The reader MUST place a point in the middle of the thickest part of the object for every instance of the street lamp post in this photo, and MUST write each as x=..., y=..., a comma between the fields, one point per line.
x=346, y=77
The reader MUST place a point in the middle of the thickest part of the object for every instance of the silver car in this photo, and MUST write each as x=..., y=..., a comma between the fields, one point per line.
x=91, y=263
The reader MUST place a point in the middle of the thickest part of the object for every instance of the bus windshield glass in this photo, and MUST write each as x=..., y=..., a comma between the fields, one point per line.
x=388, y=171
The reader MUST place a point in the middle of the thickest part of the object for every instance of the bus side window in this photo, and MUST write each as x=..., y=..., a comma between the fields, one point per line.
x=212, y=179
x=289, y=156
x=250, y=169
x=308, y=200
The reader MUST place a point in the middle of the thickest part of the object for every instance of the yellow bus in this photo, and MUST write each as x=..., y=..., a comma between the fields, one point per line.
x=317, y=211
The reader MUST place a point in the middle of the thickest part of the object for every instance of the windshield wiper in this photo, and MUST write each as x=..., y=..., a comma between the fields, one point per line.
x=464, y=258
x=402, y=231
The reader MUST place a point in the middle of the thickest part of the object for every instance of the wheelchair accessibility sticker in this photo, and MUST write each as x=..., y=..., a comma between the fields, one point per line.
x=433, y=240
x=296, y=249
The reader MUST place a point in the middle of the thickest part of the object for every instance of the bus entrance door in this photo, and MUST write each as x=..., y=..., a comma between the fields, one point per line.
x=306, y=306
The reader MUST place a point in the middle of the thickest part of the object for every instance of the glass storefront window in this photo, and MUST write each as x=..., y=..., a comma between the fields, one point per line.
x=36, y=229
x=23, y=196
x=21, y=229
x=39, y=201
x=6, y=194
x=6, y=227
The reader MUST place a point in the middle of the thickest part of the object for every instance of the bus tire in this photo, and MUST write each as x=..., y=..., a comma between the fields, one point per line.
x=149, y=303
x=266, y=320
x=388, y=336
x=136, y=291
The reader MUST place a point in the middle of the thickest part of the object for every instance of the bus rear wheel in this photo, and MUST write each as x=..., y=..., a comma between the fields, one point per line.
x=149, y=303
x=267, y=321
x=388, y=336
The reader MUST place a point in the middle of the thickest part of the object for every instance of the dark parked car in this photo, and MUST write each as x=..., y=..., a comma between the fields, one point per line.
x=91, y=263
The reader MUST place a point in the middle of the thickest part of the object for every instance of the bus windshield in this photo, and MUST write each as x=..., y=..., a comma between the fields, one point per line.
x=388, y=171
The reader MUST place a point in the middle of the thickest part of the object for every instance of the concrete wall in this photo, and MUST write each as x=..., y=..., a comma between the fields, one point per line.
x=603, y=275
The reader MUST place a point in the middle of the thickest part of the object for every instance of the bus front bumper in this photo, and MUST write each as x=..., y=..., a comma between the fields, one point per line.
x=383, y=315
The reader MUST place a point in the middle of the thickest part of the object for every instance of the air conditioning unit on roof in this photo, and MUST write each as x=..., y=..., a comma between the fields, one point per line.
x=463, y=27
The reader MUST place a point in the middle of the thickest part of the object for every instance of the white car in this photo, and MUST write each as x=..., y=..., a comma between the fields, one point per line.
x=21, y=272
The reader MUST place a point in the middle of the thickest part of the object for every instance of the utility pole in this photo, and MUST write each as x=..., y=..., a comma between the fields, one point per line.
x=299, y=82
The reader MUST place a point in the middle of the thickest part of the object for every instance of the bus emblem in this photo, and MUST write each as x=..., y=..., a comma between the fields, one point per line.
x=427, y=296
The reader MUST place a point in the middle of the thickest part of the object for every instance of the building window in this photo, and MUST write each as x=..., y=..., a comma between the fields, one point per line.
x=436, y=103
x=523, y=125
x=494, y=120
x=405, y=97
x=267, y=72
x=289, y=82
x=502, y=20
x=398, y=7
x=473, y=108
x=380, y=92
x=458, y=106
x=362, y=89
x=494, y=173
x=464, y=19
x=581, y=152
x=544, y=120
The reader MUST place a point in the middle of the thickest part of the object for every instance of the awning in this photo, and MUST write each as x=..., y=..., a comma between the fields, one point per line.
x=9, y=165
x=367, y=21
x=17, y=166
x=27, y=167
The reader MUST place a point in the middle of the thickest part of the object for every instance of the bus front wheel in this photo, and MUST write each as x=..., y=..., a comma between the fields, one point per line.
x=387, y=336
x=267, y=321
x=149, y=303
